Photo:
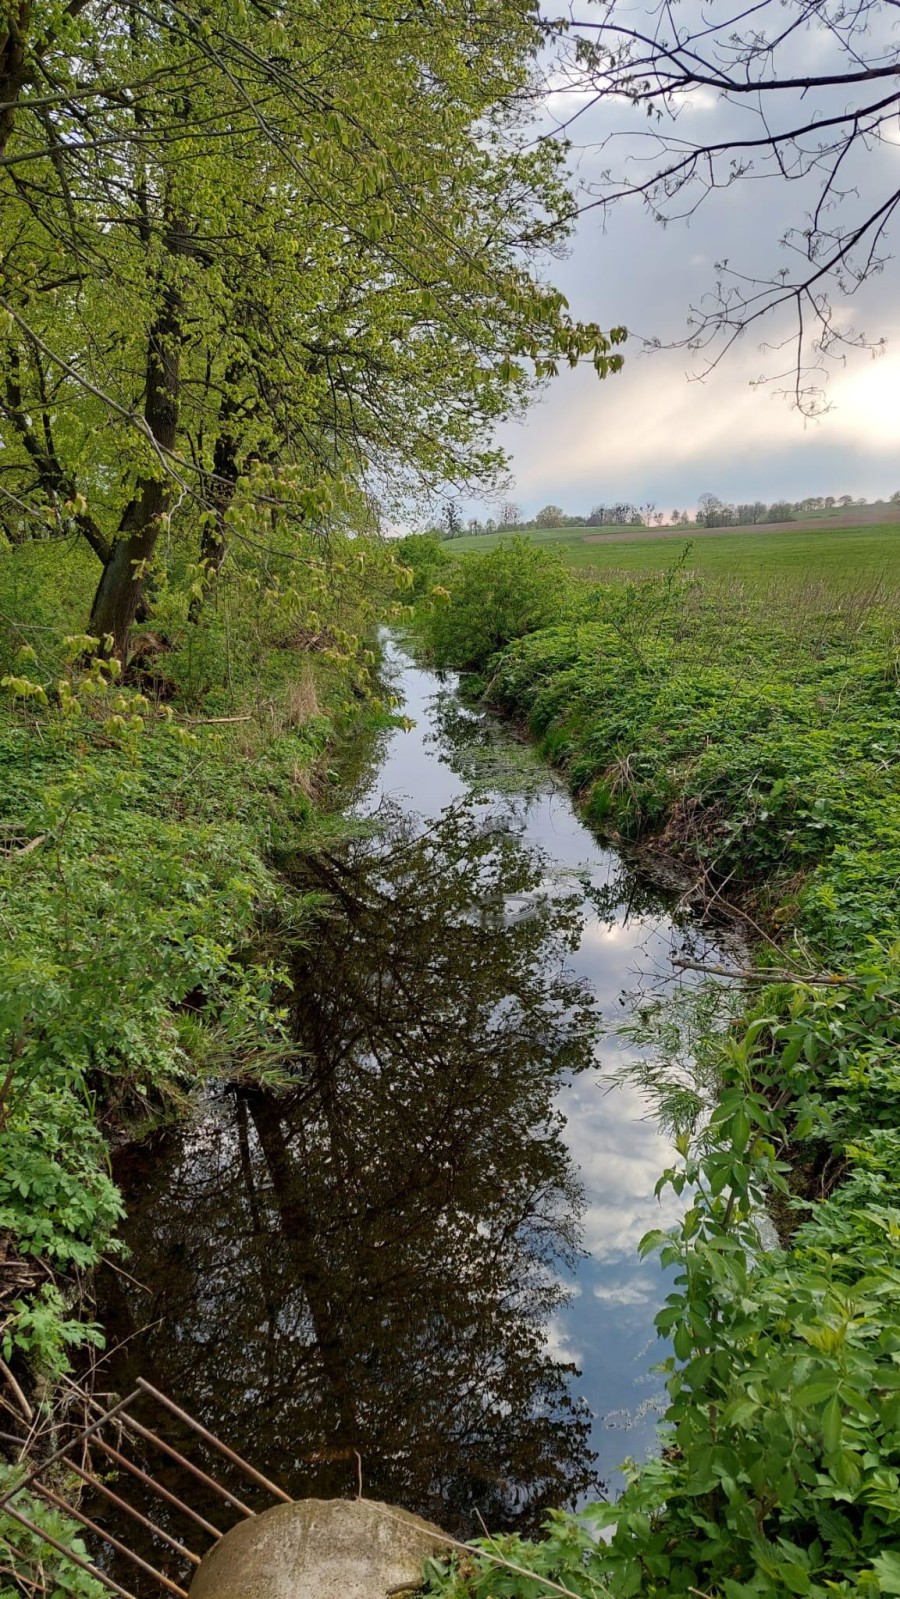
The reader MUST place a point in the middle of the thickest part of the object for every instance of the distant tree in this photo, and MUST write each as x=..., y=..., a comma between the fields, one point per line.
x=550, y=516
x=829, y=502
x=618, y=515
x=780, y=511
x=895, y=498
x=451, y=521
x=490, y=525
x=845, y=500
x=710, y=511
x=750, y=513
x=510, y=514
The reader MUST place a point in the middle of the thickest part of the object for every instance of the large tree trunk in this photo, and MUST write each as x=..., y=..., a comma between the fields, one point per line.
x=13, y=65
x=119, y=591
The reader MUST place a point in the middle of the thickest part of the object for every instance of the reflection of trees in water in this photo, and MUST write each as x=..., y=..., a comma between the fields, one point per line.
x=370, y=1261
x=485, y=752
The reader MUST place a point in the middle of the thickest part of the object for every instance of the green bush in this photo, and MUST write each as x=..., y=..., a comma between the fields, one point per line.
x=492, y=600
x=426, y=555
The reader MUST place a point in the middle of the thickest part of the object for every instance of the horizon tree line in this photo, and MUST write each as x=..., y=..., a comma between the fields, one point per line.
x=711, y=512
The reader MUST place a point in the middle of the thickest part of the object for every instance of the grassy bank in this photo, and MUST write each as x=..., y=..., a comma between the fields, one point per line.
x=146, y=925
x=754, y=736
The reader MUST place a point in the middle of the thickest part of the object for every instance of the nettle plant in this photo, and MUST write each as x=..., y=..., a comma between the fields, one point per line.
x=778, y=1472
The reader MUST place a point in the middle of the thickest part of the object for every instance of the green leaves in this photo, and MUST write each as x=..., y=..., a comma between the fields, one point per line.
x=334, y=240
x=493, y=600
x=779, y=1471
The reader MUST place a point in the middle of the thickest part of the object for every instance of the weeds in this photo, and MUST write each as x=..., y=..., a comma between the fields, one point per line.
x=754, y=735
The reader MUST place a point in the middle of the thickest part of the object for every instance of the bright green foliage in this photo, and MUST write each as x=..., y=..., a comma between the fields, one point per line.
x=493, y=599
x=265, y=273
x=21, y=1550
x=765, y=745
x=426, y=556
x=761, y=748
x=266, y=269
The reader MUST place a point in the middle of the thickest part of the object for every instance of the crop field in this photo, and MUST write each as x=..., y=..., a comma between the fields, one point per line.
x=838, y=557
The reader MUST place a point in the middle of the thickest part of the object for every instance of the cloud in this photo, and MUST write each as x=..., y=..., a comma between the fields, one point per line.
x=652, y=433
x=637, y=1291
x=558, y=1346
x=620, y=1152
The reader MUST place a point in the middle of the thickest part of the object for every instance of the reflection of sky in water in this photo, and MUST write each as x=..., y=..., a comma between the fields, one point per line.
x=607, y=1328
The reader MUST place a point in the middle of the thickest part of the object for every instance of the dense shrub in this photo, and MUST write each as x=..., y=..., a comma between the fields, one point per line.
x=489, y=600
x=426, y=556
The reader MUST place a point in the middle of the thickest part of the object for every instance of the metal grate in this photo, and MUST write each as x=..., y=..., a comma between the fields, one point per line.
x=78, y=1456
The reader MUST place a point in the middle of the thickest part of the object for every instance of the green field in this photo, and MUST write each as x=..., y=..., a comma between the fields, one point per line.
x=841, y=557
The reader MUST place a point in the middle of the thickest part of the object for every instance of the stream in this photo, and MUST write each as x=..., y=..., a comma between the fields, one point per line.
x=418, y=1265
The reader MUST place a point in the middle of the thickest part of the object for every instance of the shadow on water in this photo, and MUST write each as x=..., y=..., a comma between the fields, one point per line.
x=401, y=1266
x=367, y=1263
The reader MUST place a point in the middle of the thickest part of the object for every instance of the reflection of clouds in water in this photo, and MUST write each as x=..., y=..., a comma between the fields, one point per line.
x=558, y=1345
x=606, y=933
x=624, y=949
x=620, y=1153
x=613, y=1232
x=630, y=1292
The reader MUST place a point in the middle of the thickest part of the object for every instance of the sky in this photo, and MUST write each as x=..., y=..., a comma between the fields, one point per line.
x=656, y=433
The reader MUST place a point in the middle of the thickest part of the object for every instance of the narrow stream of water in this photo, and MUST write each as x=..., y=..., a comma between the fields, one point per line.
x=424, y=1254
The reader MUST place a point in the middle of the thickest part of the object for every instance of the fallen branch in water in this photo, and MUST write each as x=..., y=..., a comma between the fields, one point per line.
x=766, y=974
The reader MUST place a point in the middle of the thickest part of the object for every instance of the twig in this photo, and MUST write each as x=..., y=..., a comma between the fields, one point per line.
x=208, y=721
x=126, y=1274
x=765, y=974
x=26, y=1409
x=16, y=854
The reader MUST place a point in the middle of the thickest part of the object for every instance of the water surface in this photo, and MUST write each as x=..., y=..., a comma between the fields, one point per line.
x=417, y=1267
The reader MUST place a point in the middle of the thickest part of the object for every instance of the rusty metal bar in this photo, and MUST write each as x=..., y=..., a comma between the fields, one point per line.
x=107, y=1537
x=84, y=1432
x=210, y=1482
x=130, y=1510
x=26, y=1564
x=216, y=1443
x=86, y=1565
x=157, y=1487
